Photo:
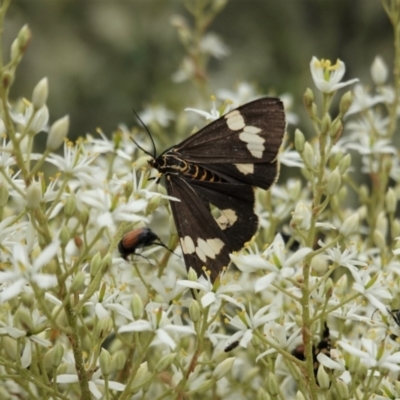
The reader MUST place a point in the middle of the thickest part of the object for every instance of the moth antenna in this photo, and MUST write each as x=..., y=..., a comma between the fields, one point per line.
x=148, y=132
x=165, y=247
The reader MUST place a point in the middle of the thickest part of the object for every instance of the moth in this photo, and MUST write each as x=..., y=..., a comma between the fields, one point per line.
x=213, y=173
x=138, y=238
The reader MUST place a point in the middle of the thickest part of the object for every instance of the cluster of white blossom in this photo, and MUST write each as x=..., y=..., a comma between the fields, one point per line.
x=77, y=320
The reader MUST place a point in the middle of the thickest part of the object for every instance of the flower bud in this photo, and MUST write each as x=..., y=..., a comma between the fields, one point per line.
x=334, y=182
x=223, y=368
x=261, y=394
x=319, y=265
x=128, y=190
x=299, y=396
x=323, y=378
x=24, y=38
x=64, y=236
x=4, y=193
x=39, y=120
x=206, y=385
x=308, y=155
x=379, y=240
x=379, y=71
x=272, y=385
x=336, y=130
x=56, y=355
x=137, y=306
x=118, y=360
x=349, y=225
x=364, y=194
x=9, y=345
x=105, y=362
x=390, y=201
x=58, y=133
x=23, y=319
x=84, y=217
x=15, y=53
x=396, y=228
x=251, y=374
x=301, y=217
x=95, y=264
x=326, y=124
x=165, y=362
x=342, y=390
x=69, y=207
x=308, y=100
x=192, y=275
x=33, y=195
x=344, y=164
x=7, y=79
x=152, y=205
x=194, y=310
x=40, y=93
x=345, y=102
x=78, y=282
x=103, y=327
x=299, y=140
x=106, y=262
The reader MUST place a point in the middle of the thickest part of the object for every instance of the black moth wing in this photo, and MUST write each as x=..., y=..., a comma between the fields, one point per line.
x=207, y=241
x=223, y=142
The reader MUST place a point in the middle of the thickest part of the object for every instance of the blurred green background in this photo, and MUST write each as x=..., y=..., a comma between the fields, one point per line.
x=104, y=57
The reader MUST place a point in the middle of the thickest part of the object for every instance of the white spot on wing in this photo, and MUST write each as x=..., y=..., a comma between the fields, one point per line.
x=205, y=248
x=187, y=244
x=201, y=255
x=216, y=245
x=227, y=219
x=255, y=143
x=235, y=120
x=252, y=129
x=245, y=168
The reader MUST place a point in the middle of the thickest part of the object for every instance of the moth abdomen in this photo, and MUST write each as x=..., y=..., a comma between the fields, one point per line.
x=175, y=165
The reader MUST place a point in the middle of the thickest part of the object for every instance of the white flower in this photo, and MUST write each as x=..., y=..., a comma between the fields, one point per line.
x=371, y=288
x=24, y=271
x=77, y=164
x=244, y=93
x=373, y=356
x=10, y=330
x=35, y=124
x=327, y=77
x=277, y=262
x=212, y=115
x=247, y=323
x=363, y=100
x=109, y=213
x=290, y=158
x=156, y=114
x=213, y=45
x=301, y=218
x=278, y=335
x=159, y=323
x=185, y=72
x=209, y=296
x=94, y=382
x=287, y=100
x=347, y=258
x=379, y=71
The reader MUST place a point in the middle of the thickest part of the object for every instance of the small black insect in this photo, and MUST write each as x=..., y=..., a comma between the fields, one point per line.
x=231, y=346
x=213, y=173
x=138, y=238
